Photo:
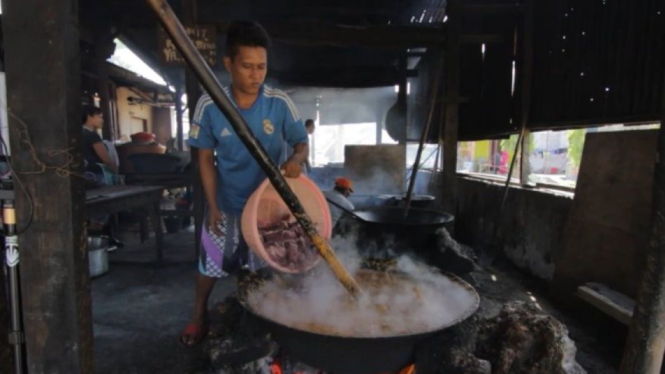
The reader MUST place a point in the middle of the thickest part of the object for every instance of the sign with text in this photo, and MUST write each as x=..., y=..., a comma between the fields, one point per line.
x=204, y=38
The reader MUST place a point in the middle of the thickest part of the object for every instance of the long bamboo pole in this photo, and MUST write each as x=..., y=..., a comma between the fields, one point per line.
x=207, y=78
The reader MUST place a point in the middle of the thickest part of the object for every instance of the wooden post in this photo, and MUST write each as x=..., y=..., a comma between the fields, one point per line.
x=451, y=119
x=644, y=349
x=403, y=87
x=192, y=87
x=380, y=115
x=104, y=47
x=439, y=187
x=525, y=68
x=42, y=61
x=6, y=349
x=525, y=167
x=178, y=117
x=193, y=91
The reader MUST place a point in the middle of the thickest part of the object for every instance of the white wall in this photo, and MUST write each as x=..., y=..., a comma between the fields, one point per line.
x=130, y=116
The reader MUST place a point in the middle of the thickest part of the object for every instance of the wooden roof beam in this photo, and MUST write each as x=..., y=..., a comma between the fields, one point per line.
x=482, y=38
x=384, y=36
x=348, y=77
x=491, y=8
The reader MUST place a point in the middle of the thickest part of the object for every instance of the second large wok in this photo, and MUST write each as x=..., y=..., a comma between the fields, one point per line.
x=388, y=227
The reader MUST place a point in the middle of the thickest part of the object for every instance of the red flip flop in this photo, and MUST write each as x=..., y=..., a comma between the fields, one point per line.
x=195, y=332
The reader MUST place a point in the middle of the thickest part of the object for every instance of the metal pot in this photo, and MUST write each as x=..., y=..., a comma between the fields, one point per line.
x=348, y=355
x=98, y=247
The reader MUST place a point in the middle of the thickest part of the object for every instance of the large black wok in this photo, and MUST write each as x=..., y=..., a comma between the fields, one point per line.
x=346, y=355
x=388, y=228
x=417, y=201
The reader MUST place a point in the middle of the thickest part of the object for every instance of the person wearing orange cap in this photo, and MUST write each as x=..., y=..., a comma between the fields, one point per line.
x=309, y=126
x=338, y=199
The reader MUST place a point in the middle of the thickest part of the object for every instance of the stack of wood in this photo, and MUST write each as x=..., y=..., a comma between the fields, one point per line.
x=520, y=340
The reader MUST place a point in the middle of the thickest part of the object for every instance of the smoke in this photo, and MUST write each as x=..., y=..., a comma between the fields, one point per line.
x=385, y=179
x=343, y=105
x=389, y=305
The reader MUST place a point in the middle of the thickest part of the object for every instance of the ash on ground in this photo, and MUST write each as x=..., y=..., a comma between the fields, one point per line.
x=236, y=343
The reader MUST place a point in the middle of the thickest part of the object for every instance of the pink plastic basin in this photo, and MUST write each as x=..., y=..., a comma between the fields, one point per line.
x=265, y=207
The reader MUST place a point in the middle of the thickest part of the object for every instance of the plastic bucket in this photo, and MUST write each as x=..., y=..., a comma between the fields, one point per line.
x=265, y=207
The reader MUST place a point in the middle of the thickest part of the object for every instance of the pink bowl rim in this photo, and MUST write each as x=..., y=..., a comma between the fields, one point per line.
x=253, y=204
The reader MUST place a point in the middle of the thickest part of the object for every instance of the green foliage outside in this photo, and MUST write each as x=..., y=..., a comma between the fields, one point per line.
x=575, y=146
x=509, y=144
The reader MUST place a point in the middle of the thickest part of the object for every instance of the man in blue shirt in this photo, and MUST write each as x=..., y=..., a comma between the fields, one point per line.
x=274, y=120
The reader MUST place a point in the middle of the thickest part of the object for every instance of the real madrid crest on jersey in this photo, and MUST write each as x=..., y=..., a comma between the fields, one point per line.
x=268, y=126
x=194, y=131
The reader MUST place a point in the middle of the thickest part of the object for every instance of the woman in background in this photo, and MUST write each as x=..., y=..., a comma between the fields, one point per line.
x=100, y=169
x=94, y=149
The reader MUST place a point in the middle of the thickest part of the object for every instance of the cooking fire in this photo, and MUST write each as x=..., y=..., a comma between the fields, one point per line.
x=315, y=322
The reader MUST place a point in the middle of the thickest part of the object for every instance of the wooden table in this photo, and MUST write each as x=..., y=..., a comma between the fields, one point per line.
x=166, y=180
x=114, y=199
x=187, y=180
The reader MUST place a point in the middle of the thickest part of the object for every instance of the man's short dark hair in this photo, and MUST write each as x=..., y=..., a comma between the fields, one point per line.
x=89, y=110
x=245, y=34
x=309, y=122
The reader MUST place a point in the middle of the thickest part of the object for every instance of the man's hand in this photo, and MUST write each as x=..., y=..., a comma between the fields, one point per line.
x=291, y=169
x=214, y=220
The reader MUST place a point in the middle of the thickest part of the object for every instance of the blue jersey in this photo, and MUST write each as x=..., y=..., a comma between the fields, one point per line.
x=275, y=122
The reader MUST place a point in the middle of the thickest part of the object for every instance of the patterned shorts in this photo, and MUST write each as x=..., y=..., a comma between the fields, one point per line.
x=226, y=254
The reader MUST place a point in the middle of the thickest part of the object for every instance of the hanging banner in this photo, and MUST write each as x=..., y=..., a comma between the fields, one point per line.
x=204, y=38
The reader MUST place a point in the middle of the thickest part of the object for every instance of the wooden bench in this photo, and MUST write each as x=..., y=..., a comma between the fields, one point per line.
x=114, y=199
x=610, y=302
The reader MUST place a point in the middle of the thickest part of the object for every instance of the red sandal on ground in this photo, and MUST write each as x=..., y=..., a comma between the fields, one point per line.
x=193, y=334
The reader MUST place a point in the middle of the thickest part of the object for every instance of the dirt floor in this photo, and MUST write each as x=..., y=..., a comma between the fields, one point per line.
x=139, y=310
